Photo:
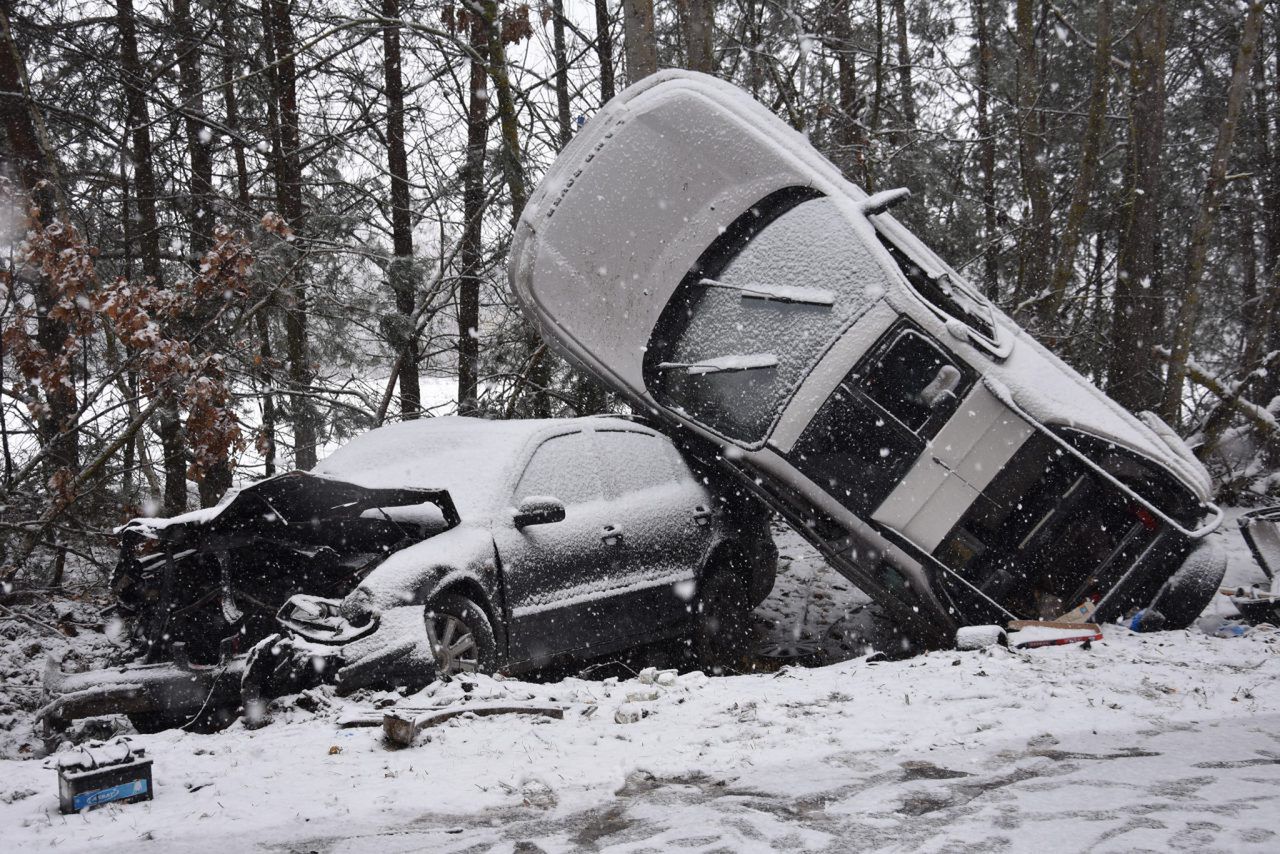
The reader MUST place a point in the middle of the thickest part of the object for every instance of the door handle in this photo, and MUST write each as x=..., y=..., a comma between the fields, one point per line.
x=612, y=535
x=702, y=515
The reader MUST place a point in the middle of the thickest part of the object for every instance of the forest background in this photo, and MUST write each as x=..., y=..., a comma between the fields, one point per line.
x=236, y=234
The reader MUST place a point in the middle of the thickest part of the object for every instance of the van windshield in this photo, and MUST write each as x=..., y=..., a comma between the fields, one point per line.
x=763, y=304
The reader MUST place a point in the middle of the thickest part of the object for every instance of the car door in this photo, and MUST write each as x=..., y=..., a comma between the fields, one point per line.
x=555, y=573
x=868, y=444
x=666, y=517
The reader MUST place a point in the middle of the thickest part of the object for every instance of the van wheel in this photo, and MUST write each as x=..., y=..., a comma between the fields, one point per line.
x=722, y=630
x=1188, y=591
x=461, y=636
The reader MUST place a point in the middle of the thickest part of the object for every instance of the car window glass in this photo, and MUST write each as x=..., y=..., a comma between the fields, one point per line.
x=634, y=460
x=899, y=377
x=742, y=331
x=850, y=449
x=563, y=467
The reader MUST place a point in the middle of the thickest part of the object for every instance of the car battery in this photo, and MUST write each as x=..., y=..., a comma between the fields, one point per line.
x=115, y=772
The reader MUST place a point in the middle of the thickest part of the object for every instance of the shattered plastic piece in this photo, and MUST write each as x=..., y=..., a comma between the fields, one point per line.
x=629, y=713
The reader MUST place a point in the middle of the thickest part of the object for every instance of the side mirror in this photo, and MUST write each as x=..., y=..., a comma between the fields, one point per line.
x=539, y=510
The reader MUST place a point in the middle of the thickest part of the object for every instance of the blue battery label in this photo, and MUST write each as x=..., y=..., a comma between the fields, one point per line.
x=114, y=793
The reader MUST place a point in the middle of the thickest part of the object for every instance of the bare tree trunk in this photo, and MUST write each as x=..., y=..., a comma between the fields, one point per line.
x=561, y=59
x=199, y=135
x=169, y=422
x=216, y=479
x=283, y=77
x=1259, y=314
x=513, y=170
x=471, y=250
x=230, y=104
x=37, y=174
x=877, y=95
x=1137, y=318
x=604, y=49
x=1198, y=249
x=850, y=143
x=987, y=154
x=402, y=272
x=1090, y=154
x=639, y=39
x=906, y=90
x=265, y=374
x=1035, y=242
x=699, y=36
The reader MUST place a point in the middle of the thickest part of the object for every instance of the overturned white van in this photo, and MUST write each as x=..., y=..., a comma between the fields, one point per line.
x=702, y=259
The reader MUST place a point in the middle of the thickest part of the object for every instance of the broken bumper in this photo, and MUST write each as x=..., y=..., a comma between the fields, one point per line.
x=171, y=689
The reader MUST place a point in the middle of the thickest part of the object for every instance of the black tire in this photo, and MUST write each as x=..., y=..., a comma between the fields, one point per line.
x=722, y=627
x=475, y=651
x=1188, y=591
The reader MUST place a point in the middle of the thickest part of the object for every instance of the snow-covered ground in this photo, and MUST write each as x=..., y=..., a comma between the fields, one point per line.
x=1148, y=742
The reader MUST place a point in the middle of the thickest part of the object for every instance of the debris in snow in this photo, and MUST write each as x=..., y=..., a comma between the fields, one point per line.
x=401, y=728
x=630, y=713
x=979, y=637
x=535, y=793
x=1028, y=634
x=654, y=676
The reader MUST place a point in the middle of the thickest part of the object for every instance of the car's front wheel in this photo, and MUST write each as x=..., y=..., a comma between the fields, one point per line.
x=461, y=636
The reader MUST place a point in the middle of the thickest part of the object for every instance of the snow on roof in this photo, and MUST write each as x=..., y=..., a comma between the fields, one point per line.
x=473, y=458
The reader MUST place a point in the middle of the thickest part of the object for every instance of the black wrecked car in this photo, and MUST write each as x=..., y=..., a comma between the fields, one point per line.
x=434, y=546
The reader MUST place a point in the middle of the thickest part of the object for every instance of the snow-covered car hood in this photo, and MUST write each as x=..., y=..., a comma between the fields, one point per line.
x=627, y=209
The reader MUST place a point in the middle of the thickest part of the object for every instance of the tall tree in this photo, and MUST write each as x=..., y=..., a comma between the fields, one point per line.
x=986, y=152
x=849, y=140
x=282, y=76
x=1035, y=238
x=471, y=252
x=604, y=48
x=264, y=373
x=1090, y=156
x=906, y=88
x=1198, y=250
x=640, y=39
x=36, y=170
x=1137, y=319
x=560, y=57
x=699, y=35
x=199, y=134
x=136, y=84
x=402, y=271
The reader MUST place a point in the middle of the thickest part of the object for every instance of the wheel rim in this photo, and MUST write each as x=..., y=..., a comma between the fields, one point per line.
x=454, y=646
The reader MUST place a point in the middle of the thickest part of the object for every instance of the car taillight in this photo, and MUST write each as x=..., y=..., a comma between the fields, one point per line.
x=1144, y=516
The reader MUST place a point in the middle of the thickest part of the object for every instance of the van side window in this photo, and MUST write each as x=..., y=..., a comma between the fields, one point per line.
x=871, y=430
x=563, y=467
x=898, y=379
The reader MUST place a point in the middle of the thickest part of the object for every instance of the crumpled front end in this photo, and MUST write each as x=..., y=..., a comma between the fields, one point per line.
x=203, y=593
